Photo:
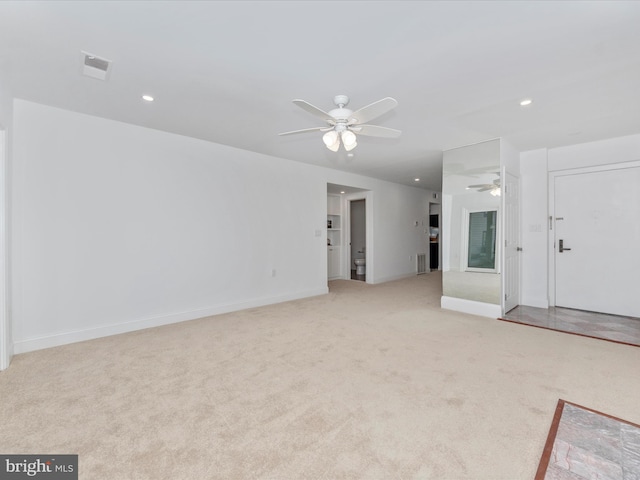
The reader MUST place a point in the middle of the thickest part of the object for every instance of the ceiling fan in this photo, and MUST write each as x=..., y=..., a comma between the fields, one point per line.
x=492, y=188
x=343, y=124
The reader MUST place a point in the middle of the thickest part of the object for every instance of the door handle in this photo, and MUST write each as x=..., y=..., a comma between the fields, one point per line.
x=561, y=247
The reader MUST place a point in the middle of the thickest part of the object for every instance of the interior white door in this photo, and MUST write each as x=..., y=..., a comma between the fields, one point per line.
x=511, y=270
x=597, y=241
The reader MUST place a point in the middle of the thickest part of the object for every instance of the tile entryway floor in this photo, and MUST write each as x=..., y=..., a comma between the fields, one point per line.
x=589, y=324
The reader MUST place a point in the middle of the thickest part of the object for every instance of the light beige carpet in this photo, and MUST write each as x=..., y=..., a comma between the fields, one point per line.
x=367, y=382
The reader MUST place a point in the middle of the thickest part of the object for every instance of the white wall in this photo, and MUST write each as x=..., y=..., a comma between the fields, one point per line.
x=534, y=227
x=397, y=239
x=119, y=227
x=509, y=157
x=603, y=152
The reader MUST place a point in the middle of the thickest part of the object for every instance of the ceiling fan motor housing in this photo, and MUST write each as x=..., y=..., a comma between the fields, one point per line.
x=341, y=114
x=341, y=100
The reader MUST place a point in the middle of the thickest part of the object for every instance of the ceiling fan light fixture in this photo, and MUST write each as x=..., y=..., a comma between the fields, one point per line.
x=330, y=138
x=350, y=147
x=495, y=191
x=334, y=147
x=348, y=139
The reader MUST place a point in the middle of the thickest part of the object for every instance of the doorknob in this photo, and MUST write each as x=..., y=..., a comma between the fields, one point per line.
x=561, y=247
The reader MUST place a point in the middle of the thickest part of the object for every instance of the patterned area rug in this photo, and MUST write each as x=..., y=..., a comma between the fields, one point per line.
x=586, y=444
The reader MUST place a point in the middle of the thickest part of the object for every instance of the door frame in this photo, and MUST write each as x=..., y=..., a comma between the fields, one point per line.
x=6, y=343
x=437, y=242
x=552, y=218
x=367, y=196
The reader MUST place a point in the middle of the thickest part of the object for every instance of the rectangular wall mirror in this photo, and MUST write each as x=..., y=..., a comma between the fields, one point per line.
x=471, y=223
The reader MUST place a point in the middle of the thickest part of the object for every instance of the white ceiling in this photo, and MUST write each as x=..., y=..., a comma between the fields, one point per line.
x=227, y=71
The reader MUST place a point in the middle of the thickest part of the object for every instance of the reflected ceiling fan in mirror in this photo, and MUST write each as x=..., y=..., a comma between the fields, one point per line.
x=343, y=124
x=492, y=188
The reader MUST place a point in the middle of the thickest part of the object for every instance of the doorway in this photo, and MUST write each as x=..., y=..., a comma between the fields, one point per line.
x=358, y=239
x=434, y=236
x=596, y=233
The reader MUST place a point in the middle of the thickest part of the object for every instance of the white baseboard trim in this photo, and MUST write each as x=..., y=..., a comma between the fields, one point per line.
x=533, y=302
x=68, y=337
x=393, y=278
x=471, y=306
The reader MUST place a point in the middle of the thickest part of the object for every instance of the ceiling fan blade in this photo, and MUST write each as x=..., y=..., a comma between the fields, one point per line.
x=486, y=188
x=373, y=110
x=481, y=185
x=313, y=110
x=375, y=131
x=314, y=129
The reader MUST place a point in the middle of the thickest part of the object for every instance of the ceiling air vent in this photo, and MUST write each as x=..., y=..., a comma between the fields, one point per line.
x=94, y=66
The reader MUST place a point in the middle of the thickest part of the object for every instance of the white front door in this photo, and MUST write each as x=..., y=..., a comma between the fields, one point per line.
x=511, y=270
x=597, y=240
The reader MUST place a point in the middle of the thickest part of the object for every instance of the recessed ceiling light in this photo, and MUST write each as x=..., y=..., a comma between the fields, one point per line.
x=349, y=154
x=416, y=179
x=342, y=191
x=147, y=98
x=525, y=102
